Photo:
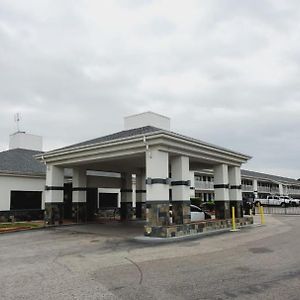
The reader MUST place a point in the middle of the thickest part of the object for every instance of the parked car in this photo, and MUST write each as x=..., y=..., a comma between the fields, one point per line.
x=197, y=214
x=294, y=202
x=274, y=200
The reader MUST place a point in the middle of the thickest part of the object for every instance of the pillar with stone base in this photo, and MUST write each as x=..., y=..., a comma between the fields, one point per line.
x=221, y=187
x=235, y=191
x=126, y=197
x=79, y=181
x=181, y=213
x=140, y=195
x=157, y=195
x=54, y=195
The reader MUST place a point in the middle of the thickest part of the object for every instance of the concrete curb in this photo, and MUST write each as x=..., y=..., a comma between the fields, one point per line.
x=157, y=240
x=42, y=227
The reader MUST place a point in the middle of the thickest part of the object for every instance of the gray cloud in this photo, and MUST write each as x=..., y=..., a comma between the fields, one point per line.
x=225, y=71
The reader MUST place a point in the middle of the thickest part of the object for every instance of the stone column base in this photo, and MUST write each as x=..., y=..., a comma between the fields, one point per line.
x=140, y=210
x=79, y=213
x=222, y=210
x=126, y=211
x=194, y=228
x=158, y=213
x=54, y=213
x=181, y=212
x=238, y=208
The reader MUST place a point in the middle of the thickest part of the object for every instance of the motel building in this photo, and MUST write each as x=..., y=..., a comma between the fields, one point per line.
x=161, y=161
x=145, y=166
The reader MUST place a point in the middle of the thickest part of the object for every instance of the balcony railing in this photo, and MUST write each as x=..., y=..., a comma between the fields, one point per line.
x=204, y=185
x=264, y=189
x=293, y=191
x=246, y=187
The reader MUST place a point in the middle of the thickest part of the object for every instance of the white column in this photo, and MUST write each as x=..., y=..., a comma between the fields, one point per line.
x=221, y=182
x=157, y=169
x=126, y=189
x=255, y=188
x=281, y=193
x=140, y=194
x=192, y=187
x=79, y=185
x=180, y=178
x=157, y=189
x=141, y=186
x=54, y=195
x=126, y=196
x=221, y=185
x=180, y=168
x=54, y=184
x=235, y=191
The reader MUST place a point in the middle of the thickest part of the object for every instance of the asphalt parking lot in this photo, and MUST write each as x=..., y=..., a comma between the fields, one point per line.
x=94, y=262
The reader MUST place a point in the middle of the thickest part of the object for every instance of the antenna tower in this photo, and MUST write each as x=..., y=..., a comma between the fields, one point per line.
x=17, y=120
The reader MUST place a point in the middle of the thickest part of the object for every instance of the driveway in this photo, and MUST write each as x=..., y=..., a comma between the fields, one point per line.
x=90, y=262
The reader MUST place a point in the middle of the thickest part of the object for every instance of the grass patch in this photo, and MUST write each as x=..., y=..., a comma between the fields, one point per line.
x=20, y=225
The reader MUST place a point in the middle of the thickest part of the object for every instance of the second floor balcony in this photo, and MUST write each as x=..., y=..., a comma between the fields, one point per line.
x=204, y=185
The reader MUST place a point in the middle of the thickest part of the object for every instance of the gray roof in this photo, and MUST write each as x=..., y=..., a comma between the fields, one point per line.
x=115, y=136
x=21, y=161
x=137, y=132
x=269, y=176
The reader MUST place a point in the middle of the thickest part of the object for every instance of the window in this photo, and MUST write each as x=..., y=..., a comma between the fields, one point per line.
x=108, y=200
x=23, y=200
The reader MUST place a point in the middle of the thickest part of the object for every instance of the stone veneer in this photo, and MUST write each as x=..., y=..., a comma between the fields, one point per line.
x=79, y=213
x=181, y=212
x=193, y=228
x=54, y=212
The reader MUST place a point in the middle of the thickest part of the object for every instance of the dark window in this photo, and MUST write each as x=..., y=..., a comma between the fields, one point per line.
x=108, y=200
x=21, y=200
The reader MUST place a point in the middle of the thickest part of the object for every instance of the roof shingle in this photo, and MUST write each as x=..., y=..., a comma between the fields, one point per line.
x=21, y=161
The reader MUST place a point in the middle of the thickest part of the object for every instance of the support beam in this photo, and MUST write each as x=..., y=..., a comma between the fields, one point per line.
x=79, y=181
x=141, y=194
x=157, y=188
x=126, y=196
x=221, y=186
x=235, y=191
x=54, y=195
x=180, y=190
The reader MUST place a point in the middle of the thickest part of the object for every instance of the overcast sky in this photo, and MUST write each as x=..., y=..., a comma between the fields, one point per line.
x=225, y=71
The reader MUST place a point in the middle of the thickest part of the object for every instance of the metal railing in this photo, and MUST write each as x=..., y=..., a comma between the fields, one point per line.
x=280, y=210
x=246, y=187
x=205, y=185
x=265, y=189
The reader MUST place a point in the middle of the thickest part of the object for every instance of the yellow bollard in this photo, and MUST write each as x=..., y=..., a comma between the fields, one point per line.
x=233, y=220
x=262, y=216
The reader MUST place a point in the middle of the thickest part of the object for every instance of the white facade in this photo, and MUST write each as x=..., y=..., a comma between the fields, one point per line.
x=147, y=119
x=19, y=183
x=22, y=140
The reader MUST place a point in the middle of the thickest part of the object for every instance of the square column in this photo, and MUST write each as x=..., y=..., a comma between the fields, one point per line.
x=255, y=188
x=281, y=190
x=157, y=188
x=141, y=195
x=192, y=186
x=54, y=195
x=221, y=186
x=79, y=195
x=181, y=190
x=126, y=196
x=235, y=191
